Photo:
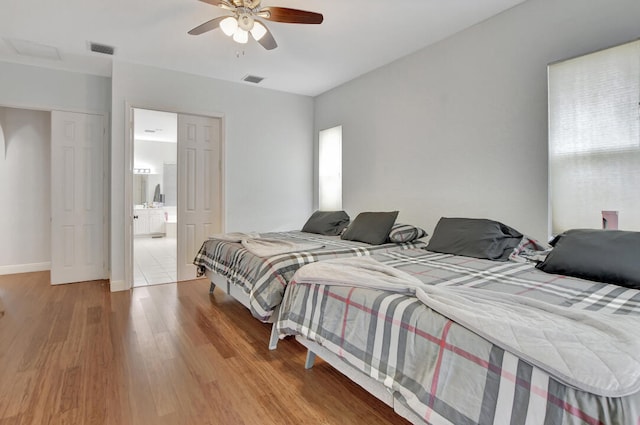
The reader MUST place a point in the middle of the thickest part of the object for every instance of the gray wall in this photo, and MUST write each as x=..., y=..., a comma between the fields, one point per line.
x=25, y=192
x=460, y=128
x=25, y=176
x=263, y=129
x=268, y=143
x=32, y=87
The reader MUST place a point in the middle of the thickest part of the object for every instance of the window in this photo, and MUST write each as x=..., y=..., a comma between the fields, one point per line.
x=330, y=169
x=594, y=139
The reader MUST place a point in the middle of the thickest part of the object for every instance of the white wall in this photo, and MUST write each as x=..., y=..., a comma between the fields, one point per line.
x=264, y=129
x=25, y=175
x=32, y=87
x=460, y=128
x=268, y=139
x=25, y=198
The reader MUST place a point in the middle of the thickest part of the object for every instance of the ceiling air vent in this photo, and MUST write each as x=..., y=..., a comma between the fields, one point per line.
x=29, y=48
x=101, y=48
x=252, y=79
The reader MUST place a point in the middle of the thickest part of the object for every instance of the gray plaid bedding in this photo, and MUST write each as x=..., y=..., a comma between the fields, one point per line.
x=264, y=279
x=442, y=371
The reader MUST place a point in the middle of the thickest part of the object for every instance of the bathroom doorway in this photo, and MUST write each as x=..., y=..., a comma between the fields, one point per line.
x=155, y=197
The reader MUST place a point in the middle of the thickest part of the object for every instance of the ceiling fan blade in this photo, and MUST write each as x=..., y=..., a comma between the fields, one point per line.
x=292, y=16
x=267, y=41
x=215, y=2
x=207, y=26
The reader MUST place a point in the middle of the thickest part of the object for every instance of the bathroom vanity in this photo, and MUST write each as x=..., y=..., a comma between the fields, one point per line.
x=148, y=221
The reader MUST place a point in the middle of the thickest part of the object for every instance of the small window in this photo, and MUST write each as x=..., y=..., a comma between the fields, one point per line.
x=330, y=169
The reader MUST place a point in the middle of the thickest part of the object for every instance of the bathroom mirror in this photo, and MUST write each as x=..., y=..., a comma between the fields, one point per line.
x=170, y=184
x=139, y=189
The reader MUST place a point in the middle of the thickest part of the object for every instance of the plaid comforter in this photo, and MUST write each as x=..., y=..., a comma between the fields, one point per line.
x=443, y=372
x=264, y=279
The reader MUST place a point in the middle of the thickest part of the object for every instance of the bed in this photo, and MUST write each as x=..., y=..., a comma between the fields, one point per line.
x=259, y=282
x=432, y=369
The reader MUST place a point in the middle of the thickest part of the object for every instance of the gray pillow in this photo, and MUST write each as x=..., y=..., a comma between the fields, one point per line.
x=474, y=237
x=610, y=256
x=330, y=223
x=401, y=233
x=371, y=227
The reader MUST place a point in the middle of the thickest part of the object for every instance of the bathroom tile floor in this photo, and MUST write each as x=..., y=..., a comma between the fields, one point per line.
x=154, y=261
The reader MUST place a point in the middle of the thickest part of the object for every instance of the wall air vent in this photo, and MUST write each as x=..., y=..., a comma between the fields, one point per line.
x=101, y=48
x=252, y=79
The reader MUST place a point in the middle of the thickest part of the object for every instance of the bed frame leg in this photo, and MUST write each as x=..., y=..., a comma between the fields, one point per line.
x=311, y=358
x=212, y=287
x=273, y=339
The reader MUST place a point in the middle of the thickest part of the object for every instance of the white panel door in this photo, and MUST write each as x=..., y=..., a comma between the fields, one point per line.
x=77, y=197
x=199, y=187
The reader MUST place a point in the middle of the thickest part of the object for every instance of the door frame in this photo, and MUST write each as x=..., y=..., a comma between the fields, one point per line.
x=106, y=172
x=128, y=177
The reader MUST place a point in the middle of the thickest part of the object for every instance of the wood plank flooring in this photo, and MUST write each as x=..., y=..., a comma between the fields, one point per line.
x=162, y=355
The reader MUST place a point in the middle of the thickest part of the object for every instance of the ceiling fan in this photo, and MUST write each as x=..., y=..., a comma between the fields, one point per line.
x=244, y=20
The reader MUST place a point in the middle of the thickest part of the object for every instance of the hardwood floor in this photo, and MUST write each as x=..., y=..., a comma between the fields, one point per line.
x=166, y=354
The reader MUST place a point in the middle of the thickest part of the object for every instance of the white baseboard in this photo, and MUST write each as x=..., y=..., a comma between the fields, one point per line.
x=118, y=285
x=25, y=268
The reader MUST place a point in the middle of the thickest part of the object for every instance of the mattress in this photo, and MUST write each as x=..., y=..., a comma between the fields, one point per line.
x=440, y=370
x=264, y=279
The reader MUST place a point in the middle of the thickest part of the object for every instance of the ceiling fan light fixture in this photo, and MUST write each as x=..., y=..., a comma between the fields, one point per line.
x=258, y=31
x=229, y=26
x=241, y=36
x=245, y=21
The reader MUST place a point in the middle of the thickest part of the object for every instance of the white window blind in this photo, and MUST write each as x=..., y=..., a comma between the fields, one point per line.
x=330, y=169
x=594, y=139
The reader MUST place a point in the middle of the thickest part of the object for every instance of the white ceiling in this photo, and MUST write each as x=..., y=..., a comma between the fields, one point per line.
x=155, y=126
x=355, y=37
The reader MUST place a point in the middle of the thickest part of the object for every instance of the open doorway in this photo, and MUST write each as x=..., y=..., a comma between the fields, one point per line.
x=155, y=196
x=199, y=193
x=54, y=194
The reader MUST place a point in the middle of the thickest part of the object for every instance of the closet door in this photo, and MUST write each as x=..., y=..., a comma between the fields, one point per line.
x=77, y=197
x=199, y=187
